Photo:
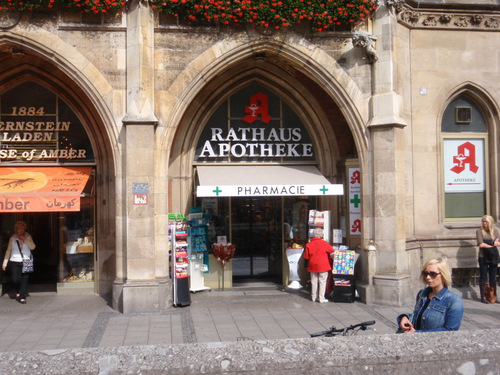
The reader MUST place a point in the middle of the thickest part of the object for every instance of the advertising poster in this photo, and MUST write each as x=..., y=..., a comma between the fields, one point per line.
x=42, y=189
x=464, y=166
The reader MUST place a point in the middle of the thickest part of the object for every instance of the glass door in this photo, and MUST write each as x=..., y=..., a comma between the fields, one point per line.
x=256, y=231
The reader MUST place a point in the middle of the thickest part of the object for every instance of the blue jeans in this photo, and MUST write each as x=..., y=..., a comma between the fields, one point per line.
x=487, y=272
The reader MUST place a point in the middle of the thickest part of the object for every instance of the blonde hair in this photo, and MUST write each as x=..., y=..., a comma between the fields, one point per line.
x=443, y=268
x=491, y=222
x=20, y=223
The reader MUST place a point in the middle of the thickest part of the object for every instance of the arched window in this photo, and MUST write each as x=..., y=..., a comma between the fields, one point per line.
x=465, y=141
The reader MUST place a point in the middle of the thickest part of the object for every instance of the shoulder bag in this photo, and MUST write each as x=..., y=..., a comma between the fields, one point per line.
x=27, y=262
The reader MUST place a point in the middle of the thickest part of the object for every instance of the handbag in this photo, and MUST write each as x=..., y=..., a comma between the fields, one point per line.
x=491, y=255
x=490, y=294
x=27, y=262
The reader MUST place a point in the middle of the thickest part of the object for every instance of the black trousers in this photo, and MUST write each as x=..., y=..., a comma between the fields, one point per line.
x=487, y=272
x=19, y=279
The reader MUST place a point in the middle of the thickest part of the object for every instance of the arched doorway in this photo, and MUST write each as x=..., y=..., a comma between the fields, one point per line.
x=54, y=134
x=323, y=122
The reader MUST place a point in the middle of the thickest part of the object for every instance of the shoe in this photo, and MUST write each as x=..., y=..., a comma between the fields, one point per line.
x=22, y=301
x=482, y=291
x=323, y=300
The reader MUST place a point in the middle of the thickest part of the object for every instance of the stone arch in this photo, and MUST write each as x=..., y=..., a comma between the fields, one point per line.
x=60, y=68
x=206, y=69
x=491, y=111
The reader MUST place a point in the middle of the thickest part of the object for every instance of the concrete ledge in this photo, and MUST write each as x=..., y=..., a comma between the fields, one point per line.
x=463, y=352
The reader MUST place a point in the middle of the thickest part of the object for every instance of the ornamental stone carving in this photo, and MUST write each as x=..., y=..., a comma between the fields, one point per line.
x=477, y=18
x=364, y=41
x=462, y=19
x=9, y=19
x=396, y=4
x=409, y=16
x=445, y=18
x=492, y=23
x=431, y=21
x=462, y=22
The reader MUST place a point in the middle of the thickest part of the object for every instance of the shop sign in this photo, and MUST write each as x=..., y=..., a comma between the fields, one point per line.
x=30, y=134
x=241, y=142
x=43, y=189
x=354, y=181
x=464, y=170
x=268, y=190
x=257, y=126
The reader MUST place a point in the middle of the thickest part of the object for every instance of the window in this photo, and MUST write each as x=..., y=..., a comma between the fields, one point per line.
x=464, y=144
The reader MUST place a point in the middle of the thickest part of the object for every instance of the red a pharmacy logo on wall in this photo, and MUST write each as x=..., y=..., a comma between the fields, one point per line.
x=464, y=165
x=466, y=157
x=259, y=105
x=356, y=177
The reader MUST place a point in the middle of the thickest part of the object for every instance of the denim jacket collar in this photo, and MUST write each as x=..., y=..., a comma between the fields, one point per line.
x=439, y=296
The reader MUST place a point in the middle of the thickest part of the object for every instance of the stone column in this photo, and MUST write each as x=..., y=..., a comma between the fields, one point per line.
x=391, y=284
x=139, y=288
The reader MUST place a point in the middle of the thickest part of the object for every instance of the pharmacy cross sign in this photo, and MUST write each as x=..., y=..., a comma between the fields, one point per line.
x=355, y=201
x=217, y=191
x=323, y=190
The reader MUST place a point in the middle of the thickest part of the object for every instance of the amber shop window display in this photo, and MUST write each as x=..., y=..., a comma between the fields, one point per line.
x=77, y=239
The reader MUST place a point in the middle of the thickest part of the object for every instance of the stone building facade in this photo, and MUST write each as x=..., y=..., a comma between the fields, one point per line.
x=397, y=101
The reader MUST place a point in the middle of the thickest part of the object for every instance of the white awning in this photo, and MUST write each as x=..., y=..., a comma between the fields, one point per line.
x=263, y=180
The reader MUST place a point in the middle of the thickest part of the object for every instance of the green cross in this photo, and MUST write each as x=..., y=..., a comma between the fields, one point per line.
x=324, y=190
x=356, y=201
x=217, y=191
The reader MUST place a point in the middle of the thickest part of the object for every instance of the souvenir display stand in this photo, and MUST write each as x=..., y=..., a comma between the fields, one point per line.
x=343, y=275
x=198, y=251
x=319, y=219
x=179, y=259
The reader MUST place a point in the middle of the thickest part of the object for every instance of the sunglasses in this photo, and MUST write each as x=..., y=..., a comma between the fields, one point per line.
x=433, y=275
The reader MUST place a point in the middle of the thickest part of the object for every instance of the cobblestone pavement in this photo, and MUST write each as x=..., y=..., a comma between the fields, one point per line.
x=51, y=321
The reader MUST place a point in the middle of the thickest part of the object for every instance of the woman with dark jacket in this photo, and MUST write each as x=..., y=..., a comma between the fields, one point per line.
x=488, y=238
x=437, y=307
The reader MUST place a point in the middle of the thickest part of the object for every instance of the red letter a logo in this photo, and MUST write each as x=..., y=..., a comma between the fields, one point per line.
x=466, y=154
x=258, y=106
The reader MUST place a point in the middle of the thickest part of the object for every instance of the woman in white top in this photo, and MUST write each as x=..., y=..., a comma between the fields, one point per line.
x=20, y=245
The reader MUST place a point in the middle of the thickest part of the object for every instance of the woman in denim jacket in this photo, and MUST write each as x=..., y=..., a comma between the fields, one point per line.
x=437, y=307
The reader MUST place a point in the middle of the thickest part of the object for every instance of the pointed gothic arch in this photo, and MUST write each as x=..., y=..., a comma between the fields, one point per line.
x=274, y=63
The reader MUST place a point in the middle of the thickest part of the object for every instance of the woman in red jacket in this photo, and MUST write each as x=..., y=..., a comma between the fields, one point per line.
x=318, y=256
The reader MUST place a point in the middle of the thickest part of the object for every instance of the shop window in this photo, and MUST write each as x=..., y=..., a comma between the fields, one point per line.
x=465, y=143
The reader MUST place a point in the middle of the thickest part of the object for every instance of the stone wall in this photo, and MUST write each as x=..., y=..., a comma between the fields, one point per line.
x=462, y=352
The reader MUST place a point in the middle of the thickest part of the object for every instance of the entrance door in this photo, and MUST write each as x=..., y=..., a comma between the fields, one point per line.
x=256, y=231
